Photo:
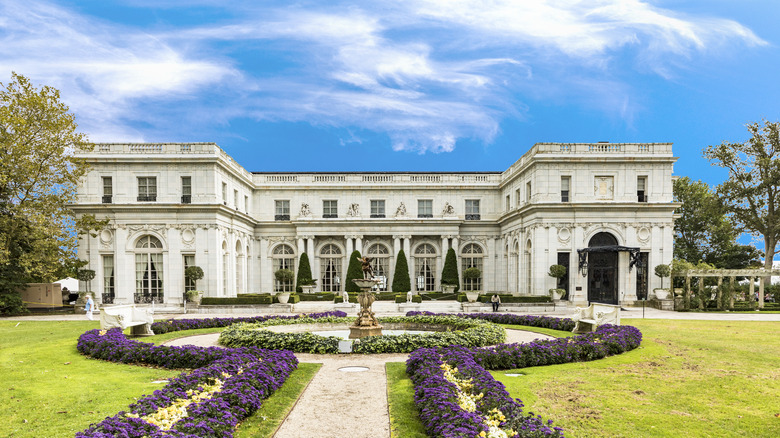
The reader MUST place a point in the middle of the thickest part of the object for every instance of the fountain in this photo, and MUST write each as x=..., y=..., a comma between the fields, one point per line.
x=366, y=323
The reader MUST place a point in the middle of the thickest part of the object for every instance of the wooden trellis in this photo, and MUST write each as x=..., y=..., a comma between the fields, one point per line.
x=752, y=274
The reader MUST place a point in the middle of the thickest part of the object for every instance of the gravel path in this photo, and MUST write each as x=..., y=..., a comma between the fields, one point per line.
x=338, y=403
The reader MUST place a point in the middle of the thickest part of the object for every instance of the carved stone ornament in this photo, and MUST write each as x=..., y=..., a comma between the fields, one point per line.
x=353, y=210
x=305, y=210
x=106, y=236
x=564, y=235
x=401, y=210
x=187, y=236
x=448, y=209
x=643, y=234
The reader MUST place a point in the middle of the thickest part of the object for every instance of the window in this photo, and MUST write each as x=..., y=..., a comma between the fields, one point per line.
x=565, y=187
x=224, y=193
x=189, y=260
x=471, y=257
x=508, y=203
x=235, y=199
x=425, y=267
x=425, y=208
x=472, y=209
x=378, y=208
x=330, y=209
x=148, y=270
x=283, y=258
x=517, y=198
x=246, y=204
x=147, y=189
x=186, y=189
x=380, y=261
x=108, y=279
x=330, y=268
x=282, y=210
x=108, y=190
x=528, y=191
x=641, y=186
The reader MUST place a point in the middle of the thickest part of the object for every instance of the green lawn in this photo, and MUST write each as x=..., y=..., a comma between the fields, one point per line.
x=689, y=378
x=50, y=390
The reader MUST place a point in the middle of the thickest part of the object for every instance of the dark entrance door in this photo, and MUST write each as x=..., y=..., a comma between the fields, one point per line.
x=602, y=270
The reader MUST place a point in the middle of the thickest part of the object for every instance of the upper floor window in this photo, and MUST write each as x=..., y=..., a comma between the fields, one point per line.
x=378, y=208
x=472, y=209
x=224, y=193
x=517, y=198
x=108, y=190
x=282, y=210
x=425, y=208
x=508, y=203
x=147, y=188
x=186, y=189
x=641, y=186
x=330, y=209
x=246, y=203
x=235, y=199
x=565, y=187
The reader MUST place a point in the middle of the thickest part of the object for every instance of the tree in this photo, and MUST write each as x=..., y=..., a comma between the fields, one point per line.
x=193, y=274
x=354, y=270
x=751, y=194
x=304, y=273
x=38, y=178
x=662, y=271
x=401, y=282
x=704, y=231
x=449, y=273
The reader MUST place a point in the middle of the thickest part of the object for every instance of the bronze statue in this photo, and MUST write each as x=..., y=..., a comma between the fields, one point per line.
x=368, y=271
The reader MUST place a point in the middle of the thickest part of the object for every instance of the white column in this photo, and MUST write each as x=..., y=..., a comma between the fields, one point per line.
x=350, y=248
x=445, y=243
x=310, y=247
x=359, y=244
x=214, y=257
x=173, y=273
x=314, y=263
x=124, y=269
x=409, y=264
x=396, y=245
x=301, y=247
x=266, y=276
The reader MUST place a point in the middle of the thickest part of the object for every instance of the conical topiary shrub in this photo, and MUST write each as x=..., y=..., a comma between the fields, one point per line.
x=304, y=273
x=449, y=274
x=355, y=270
x=401, y=281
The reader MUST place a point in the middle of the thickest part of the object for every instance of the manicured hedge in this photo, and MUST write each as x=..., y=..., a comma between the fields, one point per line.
x=427, y=296
x=235, y=301
x=174, y=325
x=319, y=296
x=401, y=298
x=563, y=324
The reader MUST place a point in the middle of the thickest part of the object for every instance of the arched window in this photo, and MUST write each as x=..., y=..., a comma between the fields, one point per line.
x=602, y=239
x=425, y=267
x=380, y=261
x=330, y=268
x=283, y=258
x=225, y=268
x=471, y=257
x=239, y=268
x=148, y=270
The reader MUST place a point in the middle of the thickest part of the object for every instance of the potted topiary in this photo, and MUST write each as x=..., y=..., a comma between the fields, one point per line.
x=194, y=296
x=557, y=272
x=662, y=271
x=193, y=274
x=471, y=274
x=284, y=276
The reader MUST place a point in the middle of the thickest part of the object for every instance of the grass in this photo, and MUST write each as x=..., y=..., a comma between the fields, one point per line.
x=269, y=417
x=50, y=390
x=689, y=378
x=404, y=419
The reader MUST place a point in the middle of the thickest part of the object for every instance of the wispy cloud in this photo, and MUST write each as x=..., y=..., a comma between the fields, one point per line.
x=425, y=72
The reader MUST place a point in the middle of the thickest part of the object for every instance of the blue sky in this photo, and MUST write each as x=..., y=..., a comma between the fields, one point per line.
x=404, y=85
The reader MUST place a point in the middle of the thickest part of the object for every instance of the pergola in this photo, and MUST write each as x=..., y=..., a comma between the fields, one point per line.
x=731, y=273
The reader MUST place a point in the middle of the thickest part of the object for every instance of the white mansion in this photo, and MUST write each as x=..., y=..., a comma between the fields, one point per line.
x=604, y=210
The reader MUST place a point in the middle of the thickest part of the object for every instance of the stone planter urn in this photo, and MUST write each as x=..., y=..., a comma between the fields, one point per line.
x=472, y=296
x=556, y=294
x=309, y=289
x=448, y=288
x=661, y=294
x=283, y=297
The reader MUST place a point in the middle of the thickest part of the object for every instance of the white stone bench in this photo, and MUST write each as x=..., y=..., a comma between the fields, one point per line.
x=596, y=314
x=125, y=316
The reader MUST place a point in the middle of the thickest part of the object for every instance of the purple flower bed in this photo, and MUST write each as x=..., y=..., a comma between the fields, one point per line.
x=436, y=398
x=173, y=325
x=246, y=377
x=563, y=324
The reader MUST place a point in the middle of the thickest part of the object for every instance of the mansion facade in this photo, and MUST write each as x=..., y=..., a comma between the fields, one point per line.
x=603, y=210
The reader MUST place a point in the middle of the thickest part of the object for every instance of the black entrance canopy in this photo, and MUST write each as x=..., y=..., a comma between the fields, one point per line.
x=633, y=253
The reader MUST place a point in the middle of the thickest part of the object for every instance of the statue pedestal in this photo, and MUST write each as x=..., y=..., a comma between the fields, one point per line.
x=362, y=332
x=366, y=323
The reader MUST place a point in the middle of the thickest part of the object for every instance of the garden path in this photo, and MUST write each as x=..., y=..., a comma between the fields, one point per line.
x=338, y=403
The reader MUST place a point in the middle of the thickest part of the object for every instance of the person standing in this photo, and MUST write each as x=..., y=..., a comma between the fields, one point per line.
x=89, y=307
x=495, y=300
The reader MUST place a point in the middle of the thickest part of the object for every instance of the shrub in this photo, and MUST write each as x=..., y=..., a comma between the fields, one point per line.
x=354, y=271
x=236, y=301
x=193, y=273
x=401, y=281
x=326, y=296
x=401, y=298
x=472, y=272
x=174, y=325
x=284, y=275
x=449, y=274
x=507, y=298
x=662, y=271
x=304, y=273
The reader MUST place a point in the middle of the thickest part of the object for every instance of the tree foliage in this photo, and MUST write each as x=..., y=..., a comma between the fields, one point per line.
x=401, y=281
x=705, y=232
x=354, y=270
x=449, y=273
x=557, y=271
x=38, y=178
x=304, y=273
x=751, y=194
